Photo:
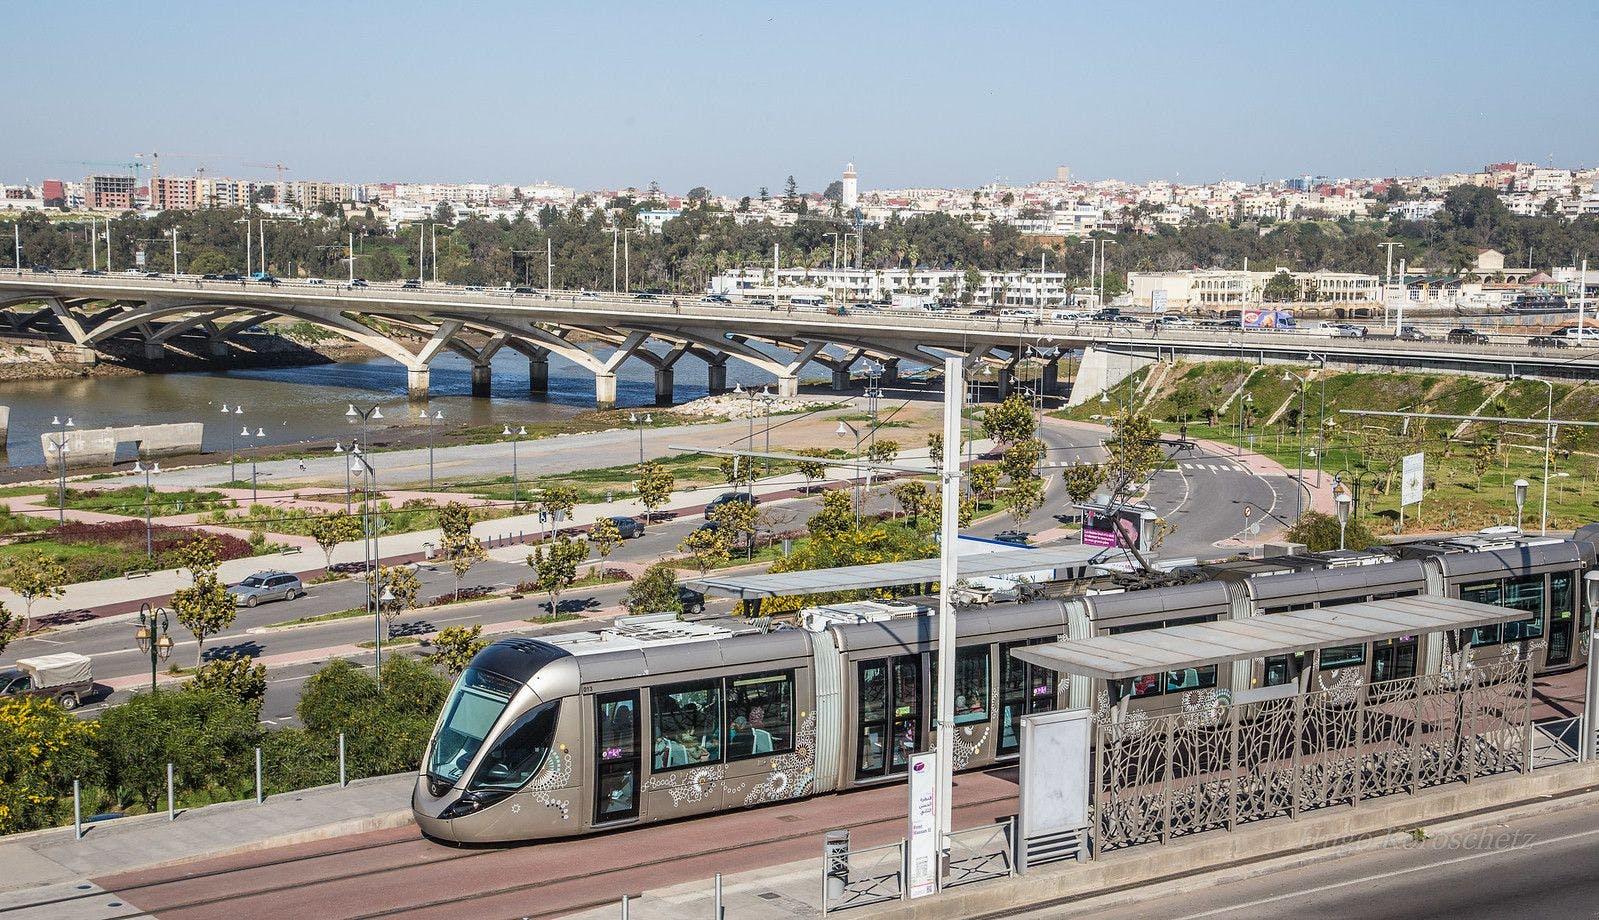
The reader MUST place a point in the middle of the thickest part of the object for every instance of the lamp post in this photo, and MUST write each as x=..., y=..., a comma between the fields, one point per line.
x=1299, y=432
x=58, y=443
x=154, y=636
x=233, y=456
x=516, y=476
x=369, y=546
x=645, y=422
x=149, y=542
x=844, y=429
x=766, y=399
x=437, y=416
x=1341, y=500
x=338, y=448
x=749, y=413
x=260, y=433
x=1521, y=501
x=1245, y=400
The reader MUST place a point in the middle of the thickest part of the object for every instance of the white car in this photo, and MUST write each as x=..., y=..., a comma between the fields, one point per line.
x=1345, y=331
x=314, y=281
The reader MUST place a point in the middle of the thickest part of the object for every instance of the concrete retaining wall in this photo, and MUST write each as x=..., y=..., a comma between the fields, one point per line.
x=1100, y=370
x=1212, y=850
x=98, y=446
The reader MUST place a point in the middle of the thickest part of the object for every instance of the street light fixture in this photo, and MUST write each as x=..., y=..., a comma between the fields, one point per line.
x=1299, y=432
x=1521, y=501
x=233, y=458
x=154, y=636
x=516, y=476
x=149, y=548
x=338, y=448
x=260, y=433
x=1341, y=501
x=58, y=443
x=844, y=430
x=633, y=419
x=437, y=416
x=369, y=545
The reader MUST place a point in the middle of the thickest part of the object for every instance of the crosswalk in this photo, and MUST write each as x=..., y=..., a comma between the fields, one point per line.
x=1196, y=467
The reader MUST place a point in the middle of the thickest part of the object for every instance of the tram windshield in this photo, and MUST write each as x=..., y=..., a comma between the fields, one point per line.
x=474, y=705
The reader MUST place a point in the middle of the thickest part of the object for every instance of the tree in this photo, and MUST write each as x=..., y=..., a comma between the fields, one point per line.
x=984, y=479
x=43, y=748
x=8, y=628
x=1024, y=496
x=655, y=591
x=454, y=647
x=205, y=608
x=200, y=556
x=1080, y=480
x=791, y=198
x=555, y=567
x=811, y=469
x=654, y=487
x=1011, y=420
x=706, y=548
x=1133, y=452
x=737, y=470
x=913, y=496
x=736, y=521
x=455, y=519
x=463, y=551
x=1319, y=532
x=329, y=530
x=444, y=214
x=834, y=191
x=236, y=677
x=883, y=451
x=208, y=261
x=557, y=502
x=1280, y=288
x=385, y=733
x=836, y=515
x=33, y=576
x=402, y=585
x=935, y=448
x=605, y=536
x=971, y=283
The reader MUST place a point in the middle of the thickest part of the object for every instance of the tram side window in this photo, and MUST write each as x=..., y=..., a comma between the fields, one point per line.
x=687, y=724
x=1147, y=685
x=520, y=751
x=760, y=715
x=1526, y=593
x=1341, y=656
x=1023, y=688
x=971, y=685
x=1485, y=592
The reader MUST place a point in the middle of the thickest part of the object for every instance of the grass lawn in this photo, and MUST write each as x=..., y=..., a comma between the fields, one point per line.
x=593, y=485
x=323, y=618
x=131, y=501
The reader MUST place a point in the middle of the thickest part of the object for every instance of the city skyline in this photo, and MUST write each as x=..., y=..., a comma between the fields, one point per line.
x=696, y=96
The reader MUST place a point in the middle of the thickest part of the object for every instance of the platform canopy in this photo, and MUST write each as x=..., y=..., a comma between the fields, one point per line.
x=892, y=574
x=1174, y=648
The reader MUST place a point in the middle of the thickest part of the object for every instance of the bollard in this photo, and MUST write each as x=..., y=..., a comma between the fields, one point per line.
x=624, y=907
x=77, y=815
x=342, y=781
x=259, y=792
x=172, y=799
x=721, y=912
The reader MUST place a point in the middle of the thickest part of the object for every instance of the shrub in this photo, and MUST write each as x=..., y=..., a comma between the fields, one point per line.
x=384, y=732
x=208, y=736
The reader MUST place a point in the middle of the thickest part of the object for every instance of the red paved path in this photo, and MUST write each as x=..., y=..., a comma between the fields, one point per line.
x=398, y=871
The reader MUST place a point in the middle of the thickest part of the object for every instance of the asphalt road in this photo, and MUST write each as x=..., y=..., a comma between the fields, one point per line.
x=1535, y=868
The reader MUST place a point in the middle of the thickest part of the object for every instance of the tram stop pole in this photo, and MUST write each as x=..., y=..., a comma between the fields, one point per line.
x=948, y=557
x=1588, y=744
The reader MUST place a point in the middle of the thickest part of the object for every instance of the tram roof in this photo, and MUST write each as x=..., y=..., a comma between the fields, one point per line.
x=889, y=574
x=1173, y=648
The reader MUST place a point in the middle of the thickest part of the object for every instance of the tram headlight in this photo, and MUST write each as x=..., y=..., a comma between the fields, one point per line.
x=473, y=802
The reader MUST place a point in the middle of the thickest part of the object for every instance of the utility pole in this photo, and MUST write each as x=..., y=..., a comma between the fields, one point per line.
x=615, y=236
x=1399, y=321
x=352, y=263
x=1582, y=298
x=1388, y=274
x=549, y=264
x=421, y=251
x=948, y=558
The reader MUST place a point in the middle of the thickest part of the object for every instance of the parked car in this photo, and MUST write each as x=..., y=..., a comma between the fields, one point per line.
x=726, y=498
x=1018, y=537
x=266, y=586
x=628, y=527
x=1464, y=335
x=65, y=677
x=691, y=600
x=411, y=284
x=1412, y=334
x=716, y=298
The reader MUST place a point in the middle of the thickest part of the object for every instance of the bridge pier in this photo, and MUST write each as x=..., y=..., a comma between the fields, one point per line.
x=538, y=374
x=154, y=351
x=664, y=379
x=1049, y=378
x=890, y=372
x=841, y=379
x=482, y=379
x=604, y=390
x=416, y=382
x=218, y=347
x=1099, y=370
x=716, y=375
x=788, y=386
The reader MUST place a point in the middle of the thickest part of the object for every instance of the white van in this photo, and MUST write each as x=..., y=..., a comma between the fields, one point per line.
x=806, y=300
x=1069, y=316
x=1019, y=313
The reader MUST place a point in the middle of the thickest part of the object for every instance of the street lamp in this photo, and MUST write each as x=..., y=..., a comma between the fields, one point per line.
x=1299, y=432
x=1247, y=399
x=428, y=420
x=1521, y=501
x=516, y=476
x=58, y=443
x=1341, y=501
x=149, y=549
x=372, y=560
x=338, y=448
x=233, y=458
x=154, y=636
x=1548, y=448
x=260, y=433
x=845, y=429
x=633, y=419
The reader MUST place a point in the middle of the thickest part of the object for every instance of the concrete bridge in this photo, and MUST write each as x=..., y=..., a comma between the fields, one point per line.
x=414, y=324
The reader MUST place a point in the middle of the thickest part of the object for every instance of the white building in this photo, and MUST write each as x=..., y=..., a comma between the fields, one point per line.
x=1220, y=289
x=1014, y=289
x=850, y=195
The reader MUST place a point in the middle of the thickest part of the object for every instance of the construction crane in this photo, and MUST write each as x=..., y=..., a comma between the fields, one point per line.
x=155, y=160
x=277, y=166
x=131, y=167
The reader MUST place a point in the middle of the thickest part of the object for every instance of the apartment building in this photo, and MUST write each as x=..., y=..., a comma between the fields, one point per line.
x=109, y=193
x=174, y=193
x=1014, y=289
x=1220, y=289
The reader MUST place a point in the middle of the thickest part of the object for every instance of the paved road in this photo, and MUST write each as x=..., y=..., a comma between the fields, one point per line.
x=1535, y=868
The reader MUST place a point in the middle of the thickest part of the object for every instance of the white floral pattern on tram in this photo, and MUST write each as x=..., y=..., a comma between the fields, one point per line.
x=700, y=783
x=793, y=773
x=554, y=776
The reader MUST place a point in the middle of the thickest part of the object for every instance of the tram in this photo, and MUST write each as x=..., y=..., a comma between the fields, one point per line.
x=656, y=719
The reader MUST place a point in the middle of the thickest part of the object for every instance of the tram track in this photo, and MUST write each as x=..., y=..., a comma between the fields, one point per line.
x=233, y=897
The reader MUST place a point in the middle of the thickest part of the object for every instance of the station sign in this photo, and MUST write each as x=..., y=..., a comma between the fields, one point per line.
x=922, y=858
x=1413, y=479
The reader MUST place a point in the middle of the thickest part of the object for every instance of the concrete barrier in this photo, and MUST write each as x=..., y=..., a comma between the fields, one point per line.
x=98, y=446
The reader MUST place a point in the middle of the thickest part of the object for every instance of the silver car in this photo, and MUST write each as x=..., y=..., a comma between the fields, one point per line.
x=266, y=586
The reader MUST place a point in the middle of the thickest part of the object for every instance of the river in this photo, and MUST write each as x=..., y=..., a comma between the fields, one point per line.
x=295, y=404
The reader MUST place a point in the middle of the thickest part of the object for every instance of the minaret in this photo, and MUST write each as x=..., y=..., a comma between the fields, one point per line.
x=850, y=194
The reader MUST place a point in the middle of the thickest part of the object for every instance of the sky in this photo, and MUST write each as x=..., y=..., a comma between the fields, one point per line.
x=744, y=93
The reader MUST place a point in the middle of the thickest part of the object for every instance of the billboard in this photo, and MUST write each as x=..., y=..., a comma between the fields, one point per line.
x=1111, y=527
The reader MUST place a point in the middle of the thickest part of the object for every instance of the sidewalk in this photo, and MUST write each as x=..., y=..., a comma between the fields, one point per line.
x=54, y=858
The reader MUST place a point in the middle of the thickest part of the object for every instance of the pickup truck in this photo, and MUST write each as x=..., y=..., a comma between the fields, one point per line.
x=66, y=677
